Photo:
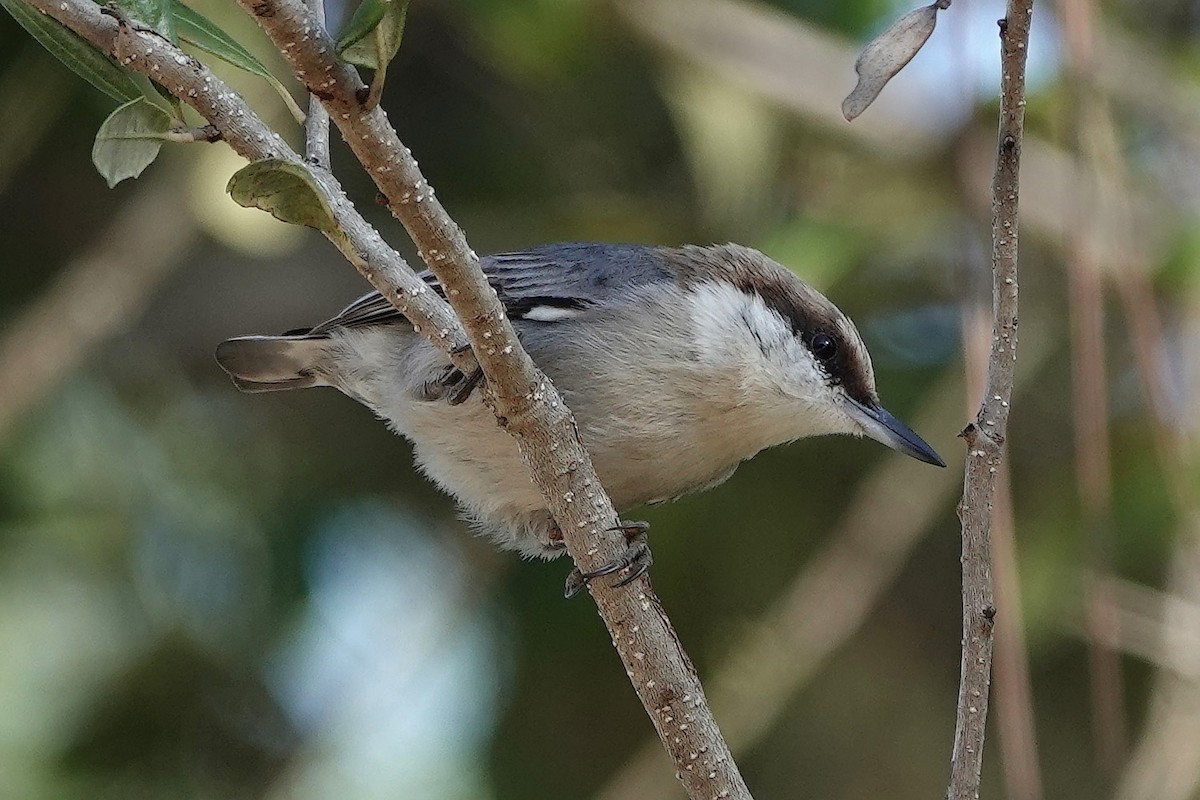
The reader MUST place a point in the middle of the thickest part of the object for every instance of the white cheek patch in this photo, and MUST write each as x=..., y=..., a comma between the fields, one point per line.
x=737, y=329
x=730, y=324
x=782, y=392
x=550, y=313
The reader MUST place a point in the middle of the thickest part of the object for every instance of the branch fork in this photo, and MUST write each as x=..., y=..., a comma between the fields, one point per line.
x=524, y=400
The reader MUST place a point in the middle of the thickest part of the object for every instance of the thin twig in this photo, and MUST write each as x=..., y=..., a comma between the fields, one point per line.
x=985, y=437
x=1084, y=113
x=316, y=124
x=147, y=53
x=524, y=400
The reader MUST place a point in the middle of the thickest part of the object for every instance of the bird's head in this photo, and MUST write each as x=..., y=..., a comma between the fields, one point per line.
x=802, y=365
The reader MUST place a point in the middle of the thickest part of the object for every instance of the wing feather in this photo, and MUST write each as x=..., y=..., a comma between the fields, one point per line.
x=544, y=284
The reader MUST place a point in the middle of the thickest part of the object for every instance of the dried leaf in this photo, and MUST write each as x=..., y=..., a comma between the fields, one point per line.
x=887, y=55
x=284, y=189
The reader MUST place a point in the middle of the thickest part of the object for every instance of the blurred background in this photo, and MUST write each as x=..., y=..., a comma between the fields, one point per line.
x=205, y=594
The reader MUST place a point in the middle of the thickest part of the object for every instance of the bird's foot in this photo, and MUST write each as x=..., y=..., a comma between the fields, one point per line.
x=463, y=388
x=452, y=385
x=636, y=559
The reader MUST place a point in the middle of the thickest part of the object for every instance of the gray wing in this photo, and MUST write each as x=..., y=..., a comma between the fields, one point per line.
x=541, y=284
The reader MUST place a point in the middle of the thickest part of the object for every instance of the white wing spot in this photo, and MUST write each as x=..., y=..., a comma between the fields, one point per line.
x=550, y=313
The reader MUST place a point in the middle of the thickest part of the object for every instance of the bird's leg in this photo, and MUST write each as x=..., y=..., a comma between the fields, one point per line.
x=464, y=384
x=636, y=559
x=463, y=389
x=452, y=385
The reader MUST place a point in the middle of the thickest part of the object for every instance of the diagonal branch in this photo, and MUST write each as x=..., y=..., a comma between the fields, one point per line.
x=98, y=291
x=146, y=52
x=525, y=402
x=985, y=437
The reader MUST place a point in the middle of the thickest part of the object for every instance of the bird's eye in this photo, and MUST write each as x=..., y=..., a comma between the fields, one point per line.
x=823, y=347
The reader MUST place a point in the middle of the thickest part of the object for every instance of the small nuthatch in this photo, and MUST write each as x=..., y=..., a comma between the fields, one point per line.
x=679, y=364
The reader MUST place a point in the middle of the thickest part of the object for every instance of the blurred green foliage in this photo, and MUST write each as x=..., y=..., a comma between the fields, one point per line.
x=210, y=595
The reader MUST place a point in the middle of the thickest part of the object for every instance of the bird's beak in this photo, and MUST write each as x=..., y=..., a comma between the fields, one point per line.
x=881, y=426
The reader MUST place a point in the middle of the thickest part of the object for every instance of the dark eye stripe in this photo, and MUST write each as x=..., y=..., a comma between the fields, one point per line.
x=843, y=366
x=801, y=307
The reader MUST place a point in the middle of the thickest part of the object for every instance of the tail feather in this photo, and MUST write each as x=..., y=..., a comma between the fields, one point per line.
x=275, y=363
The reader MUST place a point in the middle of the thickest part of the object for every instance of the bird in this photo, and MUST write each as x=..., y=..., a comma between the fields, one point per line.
x=679, y=364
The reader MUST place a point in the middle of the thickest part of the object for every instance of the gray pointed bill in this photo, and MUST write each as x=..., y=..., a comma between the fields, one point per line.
x=883, y=427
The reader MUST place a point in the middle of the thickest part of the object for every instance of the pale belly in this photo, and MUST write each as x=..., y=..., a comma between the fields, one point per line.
x=660, y=436
x=466, y=453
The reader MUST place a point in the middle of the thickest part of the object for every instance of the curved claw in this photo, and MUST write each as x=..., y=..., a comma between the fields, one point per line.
x=637, y=569
x=637, y=558
x=463, y=389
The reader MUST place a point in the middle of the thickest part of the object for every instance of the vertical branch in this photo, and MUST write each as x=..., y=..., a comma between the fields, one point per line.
x=1014, y=694
x=1090, y=384
x=316, y=125
x=985, y=436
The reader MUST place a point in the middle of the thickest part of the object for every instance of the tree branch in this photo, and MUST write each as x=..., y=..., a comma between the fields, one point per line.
x=985, y=437
x=148, y=53
x=316, y=125
x=525, y=402
x=101, y=289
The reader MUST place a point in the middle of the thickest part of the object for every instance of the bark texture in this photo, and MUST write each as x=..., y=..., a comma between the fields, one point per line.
x=985, y=437
x=524, y=400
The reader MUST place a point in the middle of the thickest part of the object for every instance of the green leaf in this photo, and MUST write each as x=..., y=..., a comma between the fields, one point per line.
x=373, y=35
x=153, y=93
x=200, y=31
x=286, y=190
x=129, y=140
x=366, y=17
x=197, y=29
x=68, y=47
x=158, y=14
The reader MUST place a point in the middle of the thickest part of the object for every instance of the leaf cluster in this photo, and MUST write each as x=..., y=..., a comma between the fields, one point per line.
x=130, y=139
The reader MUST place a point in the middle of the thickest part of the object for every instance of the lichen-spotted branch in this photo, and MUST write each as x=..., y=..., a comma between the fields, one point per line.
x=526, y=404
x=985, y=437
x=144, y=51
x=524, y=400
